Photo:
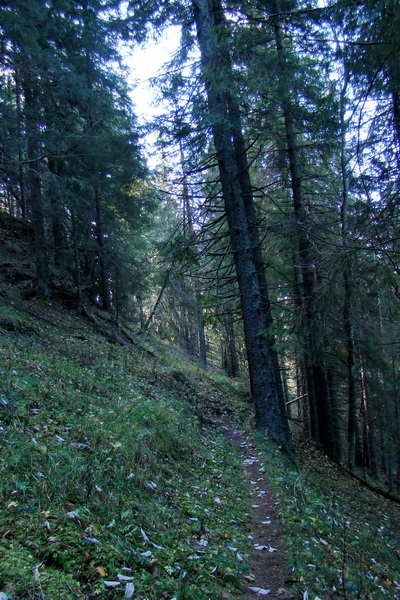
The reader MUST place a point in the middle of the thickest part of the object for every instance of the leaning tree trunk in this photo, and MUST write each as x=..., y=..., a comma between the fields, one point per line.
x=218, y=77
x=243, y=175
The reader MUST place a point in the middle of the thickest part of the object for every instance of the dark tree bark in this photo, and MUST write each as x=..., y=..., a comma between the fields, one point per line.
x=149, y=319
x=317, y=387
x=105, y=292
x=347, y=289
x=29, y=86
x=202, y=338
x=20, y=127
x=231, y=360
x=218, y=77
x=188, y=229
x=57, y=222
x=77, y=264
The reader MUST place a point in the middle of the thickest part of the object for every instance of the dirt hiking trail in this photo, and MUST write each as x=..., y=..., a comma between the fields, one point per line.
x=268, y=575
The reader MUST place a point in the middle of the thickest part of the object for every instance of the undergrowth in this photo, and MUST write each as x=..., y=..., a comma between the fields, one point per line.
x=110, y=487
x=342, y=541
x=114, y=482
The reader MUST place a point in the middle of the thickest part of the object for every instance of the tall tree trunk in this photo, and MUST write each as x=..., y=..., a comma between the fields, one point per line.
x=29, y=87
x=77, y=264
x=188, y=229
x=244, y=179
x=316, y=376
x=20, y=127
x=57, y=224
x=105, y=291
x=347, y=320
x=146, y=324
x=218, y=77
x=369, y=426
x=201, y=338
x=232, y=360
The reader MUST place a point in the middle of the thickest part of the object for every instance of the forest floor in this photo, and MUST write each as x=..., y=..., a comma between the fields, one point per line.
x=129, y=472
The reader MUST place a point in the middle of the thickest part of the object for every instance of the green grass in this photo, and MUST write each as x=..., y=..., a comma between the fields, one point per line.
x=110, y=467
x=342, y=541
x=106, y=472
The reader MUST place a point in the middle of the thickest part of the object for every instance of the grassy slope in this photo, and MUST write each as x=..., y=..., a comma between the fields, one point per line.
x=342, y=540
x=110, y=468
x=100, y=451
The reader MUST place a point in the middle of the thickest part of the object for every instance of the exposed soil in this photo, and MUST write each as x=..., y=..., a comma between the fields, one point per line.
x=267, y=561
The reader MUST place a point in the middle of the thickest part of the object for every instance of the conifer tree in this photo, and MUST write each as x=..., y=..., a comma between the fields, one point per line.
x=212, y=37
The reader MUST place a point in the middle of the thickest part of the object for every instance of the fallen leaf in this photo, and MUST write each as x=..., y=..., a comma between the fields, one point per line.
x=324, y=542
x=144, y=536
x=72, y=515
x=102, y=572
x=156, y=546
x=111, y=584
x=259, y=591
x=203, y=543
x=52, y=539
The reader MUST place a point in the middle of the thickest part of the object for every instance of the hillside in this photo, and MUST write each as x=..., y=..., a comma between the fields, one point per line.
x=118, y=478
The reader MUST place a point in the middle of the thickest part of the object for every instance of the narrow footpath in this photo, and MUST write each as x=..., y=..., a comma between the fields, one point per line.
x=268, y=569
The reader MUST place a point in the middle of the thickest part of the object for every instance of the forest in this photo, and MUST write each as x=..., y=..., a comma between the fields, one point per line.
x=265, y=240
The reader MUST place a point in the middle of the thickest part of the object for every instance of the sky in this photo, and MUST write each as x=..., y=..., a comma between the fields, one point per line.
x=145, y=62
